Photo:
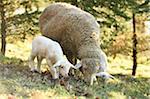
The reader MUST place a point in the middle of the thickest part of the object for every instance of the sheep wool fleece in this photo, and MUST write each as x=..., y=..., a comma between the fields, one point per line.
x=77, y=32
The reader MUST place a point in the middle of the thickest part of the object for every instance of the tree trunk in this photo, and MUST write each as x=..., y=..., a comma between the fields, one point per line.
x=134, y=46
x=3, y=28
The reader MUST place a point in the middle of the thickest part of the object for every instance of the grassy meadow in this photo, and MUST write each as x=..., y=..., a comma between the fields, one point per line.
x=17, y=82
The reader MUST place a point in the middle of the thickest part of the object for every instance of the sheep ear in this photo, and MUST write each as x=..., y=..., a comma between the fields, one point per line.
x=57, y=64
x=105, y=75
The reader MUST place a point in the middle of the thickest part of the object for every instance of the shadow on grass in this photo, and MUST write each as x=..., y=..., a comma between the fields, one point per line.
x=125, y=87
x=18, y=80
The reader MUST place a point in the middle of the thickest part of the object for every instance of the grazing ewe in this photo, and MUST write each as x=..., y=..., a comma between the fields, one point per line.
x=77, y=32
x=103, y=68
x=43, y=47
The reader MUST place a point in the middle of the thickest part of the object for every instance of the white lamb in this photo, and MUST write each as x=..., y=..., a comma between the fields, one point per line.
x=43, y=47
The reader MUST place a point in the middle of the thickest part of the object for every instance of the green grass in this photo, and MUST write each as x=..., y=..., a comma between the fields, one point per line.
x=16, y=80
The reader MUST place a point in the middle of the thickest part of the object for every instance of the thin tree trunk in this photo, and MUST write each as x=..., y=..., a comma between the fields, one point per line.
x=134, y=47
x=3, y=28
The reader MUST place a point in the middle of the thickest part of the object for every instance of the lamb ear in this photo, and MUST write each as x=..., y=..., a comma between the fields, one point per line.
x=78, y=65
x=74, y=66
x=57, y=64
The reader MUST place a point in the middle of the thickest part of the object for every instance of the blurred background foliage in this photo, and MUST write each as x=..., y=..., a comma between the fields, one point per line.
x=114, y=17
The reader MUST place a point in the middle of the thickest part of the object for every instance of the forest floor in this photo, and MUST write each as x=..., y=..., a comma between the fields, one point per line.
x=17, y=82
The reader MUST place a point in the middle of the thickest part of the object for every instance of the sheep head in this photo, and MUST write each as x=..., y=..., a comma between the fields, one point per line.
x=92, y=68
x=88, y=67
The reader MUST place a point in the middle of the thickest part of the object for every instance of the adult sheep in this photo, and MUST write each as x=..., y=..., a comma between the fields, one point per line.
x=78, y=33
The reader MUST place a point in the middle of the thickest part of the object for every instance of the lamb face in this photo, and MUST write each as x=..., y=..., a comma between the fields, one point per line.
x=64, y=67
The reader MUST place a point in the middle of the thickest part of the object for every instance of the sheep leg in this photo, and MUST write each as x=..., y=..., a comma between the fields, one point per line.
x=39, y=60
x=31, y=62
x=93, y=78
x=53, y=70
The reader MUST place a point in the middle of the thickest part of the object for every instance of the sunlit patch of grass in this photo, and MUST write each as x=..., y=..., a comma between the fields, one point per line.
x=119, y=95
x=19, y=50
x=123, y=65
x=143, y=70
x=120, y=64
